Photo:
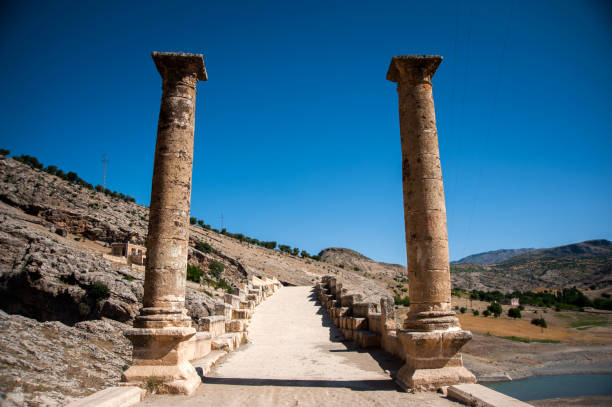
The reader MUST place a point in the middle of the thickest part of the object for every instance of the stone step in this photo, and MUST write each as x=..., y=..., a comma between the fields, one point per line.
x=204, y=365
x=228, y=342
x=478, y=395
x=366, y=339
x=121, y=396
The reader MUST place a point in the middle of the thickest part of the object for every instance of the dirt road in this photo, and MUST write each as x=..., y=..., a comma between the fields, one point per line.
x=296, y=358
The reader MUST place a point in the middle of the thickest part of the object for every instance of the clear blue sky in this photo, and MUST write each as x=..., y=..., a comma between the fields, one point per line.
x=297, y=132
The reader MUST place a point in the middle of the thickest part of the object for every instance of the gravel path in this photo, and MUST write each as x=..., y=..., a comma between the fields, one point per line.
x=296, y=358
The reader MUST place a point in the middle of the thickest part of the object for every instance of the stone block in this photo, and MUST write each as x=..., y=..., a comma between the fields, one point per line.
x=236, y=325
x=232, y=300
x=357, y=323
x=224, y=310
x=214, y=325
x=363, y=309
x=433, y=359
x=121, y=396
x=349, y=299
x=241, y=314
x=366, y=339
x=375, y=323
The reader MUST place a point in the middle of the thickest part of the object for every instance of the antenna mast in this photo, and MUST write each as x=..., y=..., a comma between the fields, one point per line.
x=104, y=161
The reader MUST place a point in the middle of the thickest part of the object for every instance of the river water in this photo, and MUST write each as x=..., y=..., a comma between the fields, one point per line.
x=548, y=387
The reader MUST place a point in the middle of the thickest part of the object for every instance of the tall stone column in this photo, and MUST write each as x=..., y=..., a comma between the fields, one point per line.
x=162, y=329
x=431, y=337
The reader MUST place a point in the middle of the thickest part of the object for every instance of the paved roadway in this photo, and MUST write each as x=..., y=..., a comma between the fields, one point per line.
x=295, y=358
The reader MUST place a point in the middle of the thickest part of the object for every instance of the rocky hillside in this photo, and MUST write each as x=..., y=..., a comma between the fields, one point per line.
x=65, y=298
x=586, y=265
x=352, y=260
x=492, y=257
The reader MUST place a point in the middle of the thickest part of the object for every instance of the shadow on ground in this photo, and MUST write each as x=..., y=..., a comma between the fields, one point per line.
x=385, y=360
x=358, y=385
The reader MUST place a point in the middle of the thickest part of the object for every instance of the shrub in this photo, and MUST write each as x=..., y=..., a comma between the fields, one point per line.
x=462, y=310
x=194, y=273
x=216, y=268
x=456, y=308
x=84, y=309
x=192, y=221
x=539, y=322
x=486, y=313
x=514, y=313
x=4, y=152
x=475, y=312
x=203, y=247
x=99, y=291
x=356, y=269
x=402, y=301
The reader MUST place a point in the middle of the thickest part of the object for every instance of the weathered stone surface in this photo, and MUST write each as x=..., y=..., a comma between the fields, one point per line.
x=432, y=338
x=424, y=209
x=163, y=327
x=50, y=363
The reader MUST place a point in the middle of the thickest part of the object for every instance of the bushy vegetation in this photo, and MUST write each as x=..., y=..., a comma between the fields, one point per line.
x=194, y=273
x=514, y=313
x=568, y=298
x=70, y=176
x=402, y=301
x=495, y=308
x=203, y=247
x=539, y=322
x=98, y=291
x=475, y=312
x=216, y=268
x=197, y=275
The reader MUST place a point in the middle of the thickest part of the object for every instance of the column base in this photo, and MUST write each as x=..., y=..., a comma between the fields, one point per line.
x=433, y=359
x=160, y=360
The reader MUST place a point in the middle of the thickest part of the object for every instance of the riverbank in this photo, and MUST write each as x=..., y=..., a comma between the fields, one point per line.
x=493, y=358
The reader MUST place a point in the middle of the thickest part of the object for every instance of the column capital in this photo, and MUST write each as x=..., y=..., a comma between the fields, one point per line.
x=171, y=63
x=413, y=68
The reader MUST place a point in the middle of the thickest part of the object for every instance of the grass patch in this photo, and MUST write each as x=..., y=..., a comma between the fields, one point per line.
x=582, y=325
x=527, y=340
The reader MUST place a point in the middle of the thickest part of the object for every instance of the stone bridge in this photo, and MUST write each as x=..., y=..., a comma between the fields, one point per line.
x=297, y=355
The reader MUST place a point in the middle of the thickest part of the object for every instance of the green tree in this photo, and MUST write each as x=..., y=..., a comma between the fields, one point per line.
x=51, y=169
x=514, y=313
x=495, y=308
x=4, y=152
x=72, y=176
x=192, y=221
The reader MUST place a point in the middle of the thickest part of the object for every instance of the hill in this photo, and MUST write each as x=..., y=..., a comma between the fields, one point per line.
x=65, y=297
x=586, y=265
x=492, y=257
x=352, y=260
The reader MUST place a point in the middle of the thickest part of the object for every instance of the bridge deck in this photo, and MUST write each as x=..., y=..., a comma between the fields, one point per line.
x=296, y=358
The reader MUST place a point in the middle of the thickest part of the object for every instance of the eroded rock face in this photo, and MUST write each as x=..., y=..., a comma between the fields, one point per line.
x=49, y=363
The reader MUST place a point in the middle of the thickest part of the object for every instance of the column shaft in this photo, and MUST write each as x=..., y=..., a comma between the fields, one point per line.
x=424, y=207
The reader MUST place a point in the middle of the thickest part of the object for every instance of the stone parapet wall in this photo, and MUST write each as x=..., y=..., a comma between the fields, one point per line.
x=367, y=324
x=227, y=328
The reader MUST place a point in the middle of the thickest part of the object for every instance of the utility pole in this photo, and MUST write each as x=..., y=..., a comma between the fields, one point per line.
x=104, y=161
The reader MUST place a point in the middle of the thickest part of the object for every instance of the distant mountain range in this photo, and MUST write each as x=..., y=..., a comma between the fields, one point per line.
x=492, y=257
x=586, y=265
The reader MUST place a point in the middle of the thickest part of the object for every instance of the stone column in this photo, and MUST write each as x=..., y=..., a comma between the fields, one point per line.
x=431, y=335
x=163, y=328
